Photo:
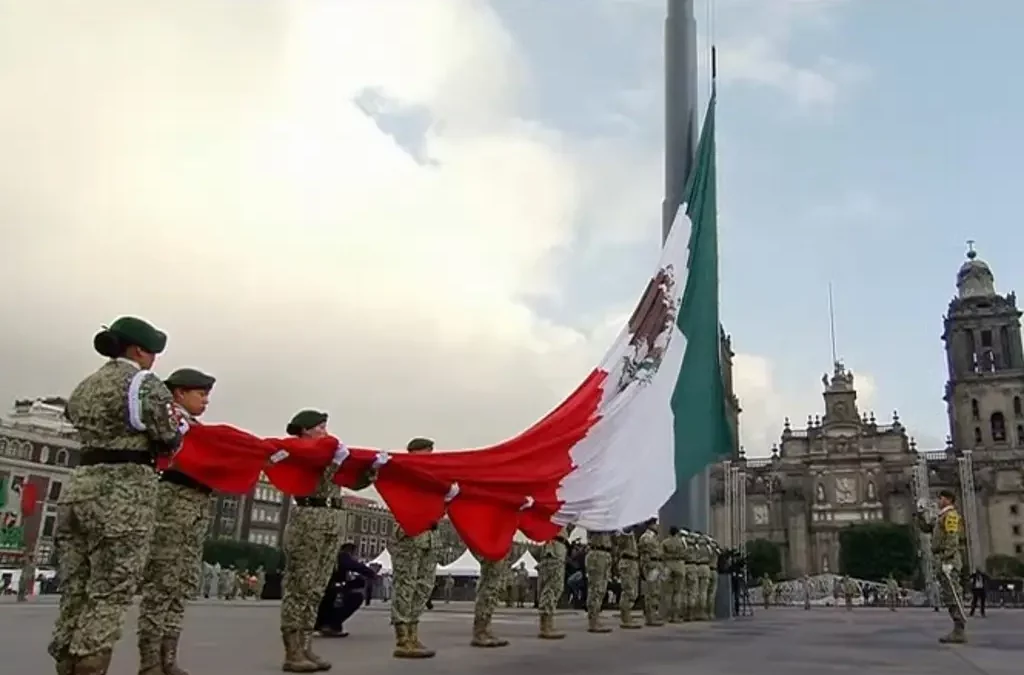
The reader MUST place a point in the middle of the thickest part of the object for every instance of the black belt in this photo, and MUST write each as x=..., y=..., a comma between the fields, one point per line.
x=97, y=456
x=319, y=502
x=178, y=478
x=629, y=556
x=564, y=541
x=655, y=558
x=605, y=549
x=671, y=559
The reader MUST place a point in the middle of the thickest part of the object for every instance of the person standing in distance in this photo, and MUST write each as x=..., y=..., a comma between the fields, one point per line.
x=312, y=538
x=947, y=540
x=171, y=576
x=125, y=417
x=415, y=563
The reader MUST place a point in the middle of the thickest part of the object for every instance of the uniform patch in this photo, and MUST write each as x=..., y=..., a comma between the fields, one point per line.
x=952, y=523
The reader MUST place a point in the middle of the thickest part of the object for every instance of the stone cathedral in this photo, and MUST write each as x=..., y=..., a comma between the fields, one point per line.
x=847, y=466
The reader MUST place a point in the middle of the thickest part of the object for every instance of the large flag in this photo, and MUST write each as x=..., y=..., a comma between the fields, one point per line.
x=652, y=414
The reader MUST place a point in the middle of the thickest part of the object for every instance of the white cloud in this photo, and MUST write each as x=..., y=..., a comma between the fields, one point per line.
x=202, y=164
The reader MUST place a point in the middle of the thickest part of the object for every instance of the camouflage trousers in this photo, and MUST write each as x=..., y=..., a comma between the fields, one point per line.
x=551, y=584
x=691, y=593
x=599, y=566
x=652, y=587
x=709, y=605
x=171, y=576
x=675, y=588
x=488, y=590
x=414, y=570
x=629, y=577
x=700, y=599
x=311, y=541
x=950, y=593
x=104, y=526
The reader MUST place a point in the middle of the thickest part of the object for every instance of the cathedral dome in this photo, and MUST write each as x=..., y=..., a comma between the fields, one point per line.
x=975, y=278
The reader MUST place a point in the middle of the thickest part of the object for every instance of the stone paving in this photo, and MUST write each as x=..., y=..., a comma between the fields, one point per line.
x=241, y=637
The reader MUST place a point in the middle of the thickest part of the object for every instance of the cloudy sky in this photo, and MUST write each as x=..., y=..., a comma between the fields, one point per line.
x=429, y=216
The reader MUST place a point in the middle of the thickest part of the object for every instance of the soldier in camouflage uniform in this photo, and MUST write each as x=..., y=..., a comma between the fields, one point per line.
x=629, y=576
x=714, y=551
x=311, y=541
x=598, y=564
x=892, y=592
x=691, y=578
x=702, y=569
x=649, y=549
x=673, y=551
x=947, y=542
x=125, y=417
x=171, y=577
x=488, y=594
x=414, y=560
x=551, y=582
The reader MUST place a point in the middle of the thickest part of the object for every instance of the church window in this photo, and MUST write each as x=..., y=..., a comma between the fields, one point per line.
x=1020, y=434
x=1014, y=509
x=998, y=427
x=986, y=338
x=975, y=413
x=62, y=457
x=1018, y=410
x=977, y=435
x=972, y=352
x=1004, y=343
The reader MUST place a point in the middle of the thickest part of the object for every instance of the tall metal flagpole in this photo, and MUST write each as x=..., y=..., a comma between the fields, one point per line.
x=689, y=506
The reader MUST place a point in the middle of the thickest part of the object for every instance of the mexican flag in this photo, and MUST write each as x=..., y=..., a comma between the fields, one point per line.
x=662, y=417
x=648, y=417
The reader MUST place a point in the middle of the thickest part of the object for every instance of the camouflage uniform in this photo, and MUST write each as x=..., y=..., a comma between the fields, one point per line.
x=629, y=576
x=598, y=564
x=892, y=593
x=551, y=582
x=673, y=550
x=850, y=591
x=414, y=561
x=714, y=551
x=171, y=576
x=312, y=538
x=947, y=541
x=488, y=591
x=651, y=573
x=691, y=577
x=124, y=416
x=702, y=570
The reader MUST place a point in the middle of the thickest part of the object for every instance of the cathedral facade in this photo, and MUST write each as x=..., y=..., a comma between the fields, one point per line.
x=846, y=466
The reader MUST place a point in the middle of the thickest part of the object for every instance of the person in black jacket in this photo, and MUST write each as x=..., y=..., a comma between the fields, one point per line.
x=979, y=582
x=345, y=592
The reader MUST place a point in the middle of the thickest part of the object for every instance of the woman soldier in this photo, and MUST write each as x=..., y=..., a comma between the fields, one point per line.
x=125, y=417
x=171, y=577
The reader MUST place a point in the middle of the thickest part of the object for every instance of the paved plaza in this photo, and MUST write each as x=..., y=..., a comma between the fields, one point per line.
x=241, y=638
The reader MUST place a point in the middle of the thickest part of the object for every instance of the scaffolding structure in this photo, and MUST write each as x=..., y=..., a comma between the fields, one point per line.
x=922, y=496
x=969, y=509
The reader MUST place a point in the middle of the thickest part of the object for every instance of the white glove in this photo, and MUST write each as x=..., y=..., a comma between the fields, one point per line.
x=341, y=454
x=947, y=568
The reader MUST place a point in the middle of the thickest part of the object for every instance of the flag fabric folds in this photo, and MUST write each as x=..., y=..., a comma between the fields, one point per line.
x=651, y=415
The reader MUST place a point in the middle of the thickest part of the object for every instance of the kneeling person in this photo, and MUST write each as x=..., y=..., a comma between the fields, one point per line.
x=171, y=575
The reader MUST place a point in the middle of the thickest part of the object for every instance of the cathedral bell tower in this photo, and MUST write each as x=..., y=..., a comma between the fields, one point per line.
x=985, y=390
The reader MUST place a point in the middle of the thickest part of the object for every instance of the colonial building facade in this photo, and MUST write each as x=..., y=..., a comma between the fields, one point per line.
x=847, y=466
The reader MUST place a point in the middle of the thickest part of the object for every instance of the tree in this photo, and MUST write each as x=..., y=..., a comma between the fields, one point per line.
x=241, y=555
x=763, y=557
x=873, y=551
x=1002, y=566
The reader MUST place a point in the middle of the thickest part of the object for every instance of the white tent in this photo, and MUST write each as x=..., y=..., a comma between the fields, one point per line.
x=463, y=566
x=384, y=560
x=529, y=561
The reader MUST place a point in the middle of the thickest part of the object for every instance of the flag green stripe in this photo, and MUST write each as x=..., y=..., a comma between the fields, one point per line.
x=702, y=426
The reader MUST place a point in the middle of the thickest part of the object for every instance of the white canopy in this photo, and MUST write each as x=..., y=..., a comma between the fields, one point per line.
x=529, y=561
x=384, y=560
x=463, y=566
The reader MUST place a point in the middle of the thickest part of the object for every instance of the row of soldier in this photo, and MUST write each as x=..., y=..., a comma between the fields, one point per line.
x=124, y=526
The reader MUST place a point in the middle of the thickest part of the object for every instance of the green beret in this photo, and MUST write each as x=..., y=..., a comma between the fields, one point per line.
x=190, y=378
x=305, y=420
x=129, y=330
x=418, y=444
